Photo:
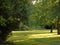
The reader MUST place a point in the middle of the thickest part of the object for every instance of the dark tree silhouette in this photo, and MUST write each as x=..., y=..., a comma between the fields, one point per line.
x=58, y=26
x=12, y=12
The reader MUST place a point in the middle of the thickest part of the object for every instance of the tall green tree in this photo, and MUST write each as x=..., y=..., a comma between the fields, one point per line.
x=12, y=12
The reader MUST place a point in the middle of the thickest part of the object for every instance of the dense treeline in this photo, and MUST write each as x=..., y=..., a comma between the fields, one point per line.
x=44, y=14
x=27, y=14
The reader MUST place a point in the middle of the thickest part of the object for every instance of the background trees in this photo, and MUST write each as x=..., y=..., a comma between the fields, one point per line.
x=44, y=13
x=35, y=14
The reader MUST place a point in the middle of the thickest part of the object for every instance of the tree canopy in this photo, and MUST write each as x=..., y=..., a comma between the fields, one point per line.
x=12, y=12
x=43, y=12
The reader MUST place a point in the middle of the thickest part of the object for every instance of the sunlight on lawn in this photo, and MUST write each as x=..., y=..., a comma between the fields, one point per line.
x=24, y=35
x=35, y=34
x=43, y=35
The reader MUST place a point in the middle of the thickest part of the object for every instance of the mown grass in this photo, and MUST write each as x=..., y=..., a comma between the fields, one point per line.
x=35, y=37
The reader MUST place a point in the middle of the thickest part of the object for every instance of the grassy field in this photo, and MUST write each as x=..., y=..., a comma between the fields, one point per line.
x=35, y=37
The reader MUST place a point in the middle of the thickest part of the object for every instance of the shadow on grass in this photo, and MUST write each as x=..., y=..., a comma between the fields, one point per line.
x=40, y=41
x=7, y=43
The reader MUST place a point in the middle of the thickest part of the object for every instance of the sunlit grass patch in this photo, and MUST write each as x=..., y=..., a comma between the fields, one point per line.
x=35, y=37
x=43, y=35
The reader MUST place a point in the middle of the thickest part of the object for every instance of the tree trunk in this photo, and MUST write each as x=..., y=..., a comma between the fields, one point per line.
x=51, y=29
x=58, y=26
x=4, y=32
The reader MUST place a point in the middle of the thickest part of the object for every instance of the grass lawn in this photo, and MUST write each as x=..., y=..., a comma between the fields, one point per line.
x=35, y=37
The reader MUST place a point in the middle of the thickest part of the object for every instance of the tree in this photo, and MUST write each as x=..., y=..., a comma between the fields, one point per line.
x=12, y=12
x=58, y=28
x=58, y=22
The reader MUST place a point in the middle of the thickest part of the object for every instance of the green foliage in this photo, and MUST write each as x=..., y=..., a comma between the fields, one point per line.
x=44, y=12
x=12, y=12
x=2, y=21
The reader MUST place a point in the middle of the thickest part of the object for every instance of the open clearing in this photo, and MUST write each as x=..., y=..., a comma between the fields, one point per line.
x=39, y=37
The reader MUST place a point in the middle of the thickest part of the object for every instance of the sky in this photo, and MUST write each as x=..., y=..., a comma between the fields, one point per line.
x=34, y=1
